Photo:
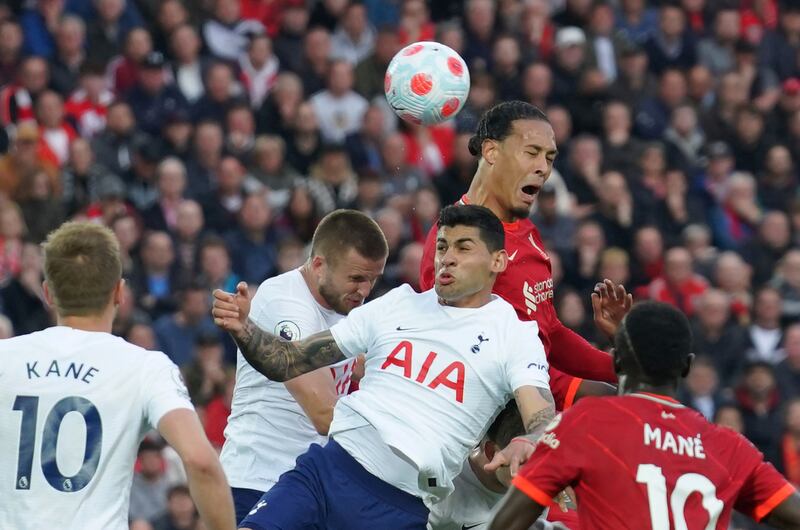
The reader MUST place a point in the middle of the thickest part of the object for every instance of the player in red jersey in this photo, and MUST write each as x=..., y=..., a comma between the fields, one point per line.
x=516, y=146
x=642, y=460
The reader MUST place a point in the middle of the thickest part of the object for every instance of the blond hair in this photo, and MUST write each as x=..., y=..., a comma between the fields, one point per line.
x=82, y=267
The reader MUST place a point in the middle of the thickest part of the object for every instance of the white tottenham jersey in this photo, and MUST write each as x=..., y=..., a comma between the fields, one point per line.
x=267, y=429
x=74, y=406
x=436, y=376
x=469, y=506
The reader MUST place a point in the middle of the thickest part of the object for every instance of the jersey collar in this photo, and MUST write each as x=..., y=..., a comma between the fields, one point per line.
x=508, y=227
x=666, y=400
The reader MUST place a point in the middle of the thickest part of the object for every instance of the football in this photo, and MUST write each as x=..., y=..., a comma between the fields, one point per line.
x=426, y=83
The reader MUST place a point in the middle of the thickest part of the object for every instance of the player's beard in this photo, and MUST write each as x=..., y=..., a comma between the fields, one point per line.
x=333, y=298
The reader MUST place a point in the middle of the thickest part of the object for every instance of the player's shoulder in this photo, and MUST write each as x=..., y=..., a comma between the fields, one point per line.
x=406, y=294
x=502, y=311
x=289, y=288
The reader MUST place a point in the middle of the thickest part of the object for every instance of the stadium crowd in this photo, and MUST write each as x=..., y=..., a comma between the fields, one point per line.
x=212, y=135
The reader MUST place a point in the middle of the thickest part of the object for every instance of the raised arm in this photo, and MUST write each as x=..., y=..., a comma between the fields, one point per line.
x=275, y=358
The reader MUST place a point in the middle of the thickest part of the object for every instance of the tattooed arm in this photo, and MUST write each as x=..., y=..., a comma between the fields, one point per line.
x=277, y=359
x=281, y=360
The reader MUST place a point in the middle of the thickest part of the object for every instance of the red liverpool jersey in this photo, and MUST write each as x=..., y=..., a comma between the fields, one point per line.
x=643, y=461
x=527, y=284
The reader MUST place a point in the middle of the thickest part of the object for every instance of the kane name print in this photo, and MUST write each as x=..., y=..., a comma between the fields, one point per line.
x=73, y=370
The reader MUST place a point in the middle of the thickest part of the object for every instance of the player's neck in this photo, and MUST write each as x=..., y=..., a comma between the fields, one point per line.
x=479, y=299
x=480, y=195
x=102, y=323
x=642, y=387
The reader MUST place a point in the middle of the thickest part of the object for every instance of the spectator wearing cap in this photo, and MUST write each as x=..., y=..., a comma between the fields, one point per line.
x=259, y=69
x=339, y=109
x=671, y=46
x=568, y=62
x=221, y=92
x=779, y=47
x=113, y=146
x=152, y=99
x=778, y=180
x=226, y=33
x=25, y=158
x=106, y=31
x=716, y=336
x=10, y=50
x=88, y=105
x=716, y=52
x=634, y=81
x=17, y=98
x=70, y=54
x=171, y=185
x=636, y=21
x=189, y=66
x=57, y=133
x=123, y=70
x=354, y=38
x=253, y=243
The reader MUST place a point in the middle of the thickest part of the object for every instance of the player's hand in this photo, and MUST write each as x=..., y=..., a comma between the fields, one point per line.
x=610, y=304
x=230, y=310
x=513, y=455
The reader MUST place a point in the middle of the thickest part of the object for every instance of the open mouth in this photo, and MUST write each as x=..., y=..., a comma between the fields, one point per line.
x=530, y=191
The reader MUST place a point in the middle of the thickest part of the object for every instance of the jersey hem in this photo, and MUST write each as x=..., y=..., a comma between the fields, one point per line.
x=527, y=487
x=764, y=509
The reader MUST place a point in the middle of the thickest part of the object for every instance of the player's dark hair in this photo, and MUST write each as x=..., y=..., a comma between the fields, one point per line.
x=656, y=338
x=342, y=230
x=178, y=489
x=506, y=426
x=490, y=228
x=497, y=122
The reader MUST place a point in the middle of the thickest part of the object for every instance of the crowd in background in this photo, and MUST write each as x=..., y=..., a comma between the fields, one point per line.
x=213, y=135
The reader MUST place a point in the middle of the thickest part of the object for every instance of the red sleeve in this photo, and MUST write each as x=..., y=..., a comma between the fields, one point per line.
x=563, y=387
x=763, y=489
x=426, y=273
x=570, y=353
x=558, y=459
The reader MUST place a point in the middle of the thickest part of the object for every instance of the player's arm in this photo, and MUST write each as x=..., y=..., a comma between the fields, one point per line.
x=316, y=394
x=182, y=430
x=786, y=515
x=516, y=511
x=275, y=358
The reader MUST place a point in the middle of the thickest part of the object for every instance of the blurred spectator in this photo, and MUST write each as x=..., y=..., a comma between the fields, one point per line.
x=557, y=229
x=189, y=67
x=259, y=69
x=735, y=219
x=479, y=26
x=41, y=209
x=790, y=443
x=69, y=54
x=241, y=129
x=204, y=373
x=370, y=71
x=678, y=285
x=454, y=181
x=39, y=25
x=177, y=333
x=107, y=30
x=779, y=47
x=289, y=40
x=291, y=254
x=572, y=312
x=719, y=120
x=701, y=86
x=580, y=265
x=616, y=212
x=537, y=84
x=787, y=282
x=764, y=251
x=758, y=400
x=648, y=256
x=685, y=138
x=153, y=281
x=568, y=63
x=788, y=370
x=171, y=183
x=653, y=113
x=620, y=150
x=697, y=239
x=778, y=180
x=603, y=41
x=88, y=105
x=177, y=133
x=6, y=328
x=128, y=233
x=338, y=108
x=215, y=264
x=113, y=147
x=729, y=416
x=172, y=14
x=221, y=93
x=23, y=297
x=215, y=415
x=333, y=182
x=150, y=484
x=701, y=388
x=732, y=275
x=12, y=232
x=141, y=334
x=153, y=98
x=582, y=172
x=253, y=243
x=10, y=50
x=506, y=57
x=205, y=159
x=18, y=97
x=354, y=38
x=181, y=513
x=765, y=335
x=123, y=70
x=302, y=214
x=110, y=201
x=140, y=180
x=614, y=265
x=717, y=51
x=717, y=337
x=81, y=177
x=364, y=146
x=57, y=133
x=751, y=140
x=636, y=21
x=671, y=45
x=271, y=169
x=188, y=230
x=305, y=144
x=226, y=34
x=415, y=23
x=634, y=81
x=26, y=157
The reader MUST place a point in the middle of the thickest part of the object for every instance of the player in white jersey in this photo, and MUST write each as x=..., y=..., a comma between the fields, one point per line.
x=75, y=402
x=272, y=423
x=440, y=365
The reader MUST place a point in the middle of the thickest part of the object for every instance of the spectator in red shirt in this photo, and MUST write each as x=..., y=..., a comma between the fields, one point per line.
x=678, y=285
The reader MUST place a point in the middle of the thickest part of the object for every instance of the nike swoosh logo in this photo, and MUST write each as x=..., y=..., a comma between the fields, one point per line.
x=465, y=527
x=511, y=258
x=403, y=329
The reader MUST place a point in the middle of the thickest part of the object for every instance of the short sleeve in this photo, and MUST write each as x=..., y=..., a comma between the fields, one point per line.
x=353, y=333
x=526, y=363
x=764, y=487
x=163, y=388
x=557, y=461
x=282, y=314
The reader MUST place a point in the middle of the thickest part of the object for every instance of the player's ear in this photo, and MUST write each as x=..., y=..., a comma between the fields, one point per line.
x=317, y=263
x=48, y=296
x=688, y=367
x=489, y=449
x=119, y=292
x=489, y=150
x=499, y=261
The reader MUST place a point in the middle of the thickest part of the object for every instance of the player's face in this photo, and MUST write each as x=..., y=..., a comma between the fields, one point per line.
x=521, y=164
x=465, y=268
x=345, y=284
